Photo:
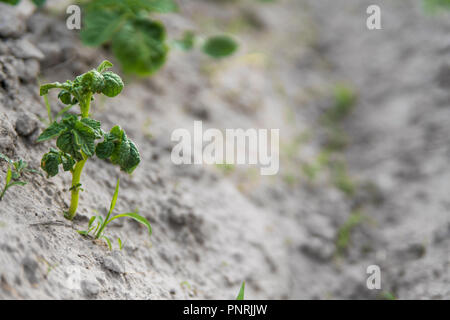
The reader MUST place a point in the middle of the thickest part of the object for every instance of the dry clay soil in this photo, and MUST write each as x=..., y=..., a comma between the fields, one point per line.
x=214, y=227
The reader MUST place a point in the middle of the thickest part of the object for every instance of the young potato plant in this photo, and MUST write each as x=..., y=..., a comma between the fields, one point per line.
x=99, y=229
x=14, y=173
x=77, y=136
x=136, y=39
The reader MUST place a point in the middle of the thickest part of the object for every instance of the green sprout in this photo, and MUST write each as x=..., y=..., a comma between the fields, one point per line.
x=14, y=173
x=77, y=134
x=241, y=292
x=101, y=223
x=345, y=231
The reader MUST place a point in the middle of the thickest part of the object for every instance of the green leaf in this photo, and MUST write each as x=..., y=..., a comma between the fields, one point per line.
x=121, y=150
x=113, y=84
x=51, y=132
x=79, y=135
x=68, y=162
x=114, y=198
x=105, y=65
x=50, y=163
x=241, y=292
x=140, y=46
x=104, y=149
x=12, y=2
x=136, y=217
x=219, y=46
x=92, y=81
x=39, y=3
x=94, y=124
x=65, y=97
x=108, y=241
x=8, y=175
x=91, y=221
x=55, y=85
x=120, y=243
x=100, y=25
x=3, y=157
x=162, y=6
x=17, y=183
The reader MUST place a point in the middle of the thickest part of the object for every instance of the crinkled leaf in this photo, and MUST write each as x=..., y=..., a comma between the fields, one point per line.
x=219, y=46
x=104, y=149
x=50, y=163
x=94, y=124
x=105, y=65
x=121, y=150
x=99, y=25
x=68, y=144
x=140, y=46
x=68, y=162
x=80, y=135
x=92, y=81
x=65, y=97
x=51, y=132
x=113, y=84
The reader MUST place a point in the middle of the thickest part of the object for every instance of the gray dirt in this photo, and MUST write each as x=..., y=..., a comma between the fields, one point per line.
x=214, y=228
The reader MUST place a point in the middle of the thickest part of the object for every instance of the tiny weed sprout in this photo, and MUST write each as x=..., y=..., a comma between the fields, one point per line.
x=241, y=292
x=14, y=173
x=76, y=135
x=99, y=228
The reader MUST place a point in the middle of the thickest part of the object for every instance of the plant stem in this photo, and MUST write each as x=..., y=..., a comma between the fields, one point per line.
x=3, y=192
x=76, y=173
x=85, y=105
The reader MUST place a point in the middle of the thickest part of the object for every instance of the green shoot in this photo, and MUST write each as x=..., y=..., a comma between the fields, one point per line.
x=241, y=292
x=344, y=233
x=98, y=229
x=76, y=135
x=14, y=173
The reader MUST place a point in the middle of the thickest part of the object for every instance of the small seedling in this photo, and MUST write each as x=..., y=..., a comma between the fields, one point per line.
x=77, y=134
x=101, y=223
x=241, y=292
x=345, y=231
x=14, y=173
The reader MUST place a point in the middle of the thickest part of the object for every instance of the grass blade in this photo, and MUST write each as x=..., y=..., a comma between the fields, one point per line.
x=136, y=217
x=241, y=292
